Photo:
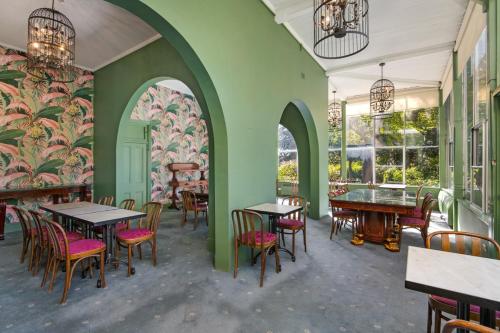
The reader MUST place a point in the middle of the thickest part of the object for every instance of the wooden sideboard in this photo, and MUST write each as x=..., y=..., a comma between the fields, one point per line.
x=186, y=184
x=58, y=193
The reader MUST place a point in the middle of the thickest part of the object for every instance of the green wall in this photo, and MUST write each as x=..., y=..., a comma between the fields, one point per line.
x=244, y=69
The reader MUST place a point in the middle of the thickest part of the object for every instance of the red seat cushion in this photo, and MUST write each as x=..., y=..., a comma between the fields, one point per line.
x=412, y=222
x=134, y=233
x=290, y=223
x=344, y=213
x=202, y=205
x=73, y=236
x=452, y=302
x=85, y=245
x=268, y=237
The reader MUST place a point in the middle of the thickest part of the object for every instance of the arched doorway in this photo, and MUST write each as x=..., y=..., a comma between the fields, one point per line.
x=297, y=119
x=184, y=65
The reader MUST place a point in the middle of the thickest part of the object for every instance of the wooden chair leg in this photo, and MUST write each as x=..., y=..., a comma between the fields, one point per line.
x=47, y=269
x=24, y=250
x=235, y=269
x=129, y=269
x=55, y=269
x=139, y=248
x=101, y=269
x=429, y=318
x=263, y=256
x=304, y=236
x=67, y=281
x=32, y=256
x=437, y=321
x=36, y=264
x=153, y=249
x=184, y=219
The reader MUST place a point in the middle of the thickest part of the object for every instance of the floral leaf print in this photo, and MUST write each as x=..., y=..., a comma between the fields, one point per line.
x=49, y=167
x=85, y=92
x=84, y=141
x=172, y=108
x=50, y=112
x=11, y=75
x=8, y=89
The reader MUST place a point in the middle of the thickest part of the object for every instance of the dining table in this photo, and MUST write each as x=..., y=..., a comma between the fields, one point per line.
x=276, y=211
x=464, y=278
x=377, y=212
x=91, y=215
x=393, y=186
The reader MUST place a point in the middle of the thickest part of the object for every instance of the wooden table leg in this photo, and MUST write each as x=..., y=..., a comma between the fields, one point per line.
x=391, y=241
x=358, y=237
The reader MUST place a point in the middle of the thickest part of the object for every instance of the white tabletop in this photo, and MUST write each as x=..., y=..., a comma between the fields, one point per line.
x=274, y=209
x=110, y=216
x=69, y=205
x=393, y=186
x=465, y=278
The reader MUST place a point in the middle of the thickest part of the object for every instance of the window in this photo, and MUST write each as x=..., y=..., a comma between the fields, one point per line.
x=450, y=139
x=287, y=155
x=334, y=152
x=400, y=149
x=475, y=94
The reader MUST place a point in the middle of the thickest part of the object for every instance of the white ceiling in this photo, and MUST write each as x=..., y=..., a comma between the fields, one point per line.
x=104, y=32
x=399, y=30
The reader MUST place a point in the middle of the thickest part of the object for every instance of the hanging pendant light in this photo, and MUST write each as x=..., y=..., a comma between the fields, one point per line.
x=334, y=113
x=340, y=28
x=51, y=45
x=382, y=96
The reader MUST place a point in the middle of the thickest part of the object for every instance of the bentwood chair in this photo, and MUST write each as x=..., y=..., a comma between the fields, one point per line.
x=190, y=203
x=342, y=217
x=245, y=230
x=29, y=235
x=417, y=212
x=417, y=193
x=42, y=239
x=128, y=204
x=295, y=222
x=466, y=325
x=144, y=233
x=70, y=254
x=464, y=243
x=420, y=223
x=106, y=201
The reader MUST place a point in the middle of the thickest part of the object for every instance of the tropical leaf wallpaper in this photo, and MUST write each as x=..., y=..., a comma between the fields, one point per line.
x=179, y=134
x=46, y=128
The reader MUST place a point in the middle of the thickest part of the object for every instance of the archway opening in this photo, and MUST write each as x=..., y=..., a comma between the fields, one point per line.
x=287, y=182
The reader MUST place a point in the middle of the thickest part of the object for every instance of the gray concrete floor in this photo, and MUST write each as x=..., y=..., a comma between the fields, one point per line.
x=334, y=287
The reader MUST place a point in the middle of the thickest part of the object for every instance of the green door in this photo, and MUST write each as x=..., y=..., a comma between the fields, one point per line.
x=133, y=163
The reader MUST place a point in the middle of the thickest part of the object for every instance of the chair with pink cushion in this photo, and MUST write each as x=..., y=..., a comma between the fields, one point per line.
x=71, y=253
x=464, y=243
x=420, y=223
x=144, y=233
x=42, y=238
x=191, y=203
x=341, y=217
x=246, y=233
x=295, y=222
x=29, y=235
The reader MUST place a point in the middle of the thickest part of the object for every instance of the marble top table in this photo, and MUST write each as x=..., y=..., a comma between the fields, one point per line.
x=275, y=211
x=467, y=279
x=393, y=186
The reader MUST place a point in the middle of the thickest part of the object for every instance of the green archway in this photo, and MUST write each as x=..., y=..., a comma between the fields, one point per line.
x=298, y=120
x=117, y=84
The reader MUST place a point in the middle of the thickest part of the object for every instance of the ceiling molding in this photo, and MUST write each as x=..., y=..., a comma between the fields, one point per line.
x=370, y=77
x=448, y=46
x=127, y=52
x=291, y=10
x=465, y=24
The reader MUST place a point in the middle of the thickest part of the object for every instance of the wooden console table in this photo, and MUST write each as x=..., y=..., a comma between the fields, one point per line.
x=59, y=194
x=186, y=184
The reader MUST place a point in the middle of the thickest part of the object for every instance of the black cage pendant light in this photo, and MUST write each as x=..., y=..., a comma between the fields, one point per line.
x=340, y=28
x=334, y=112
x=382, y=96
x=51, y=45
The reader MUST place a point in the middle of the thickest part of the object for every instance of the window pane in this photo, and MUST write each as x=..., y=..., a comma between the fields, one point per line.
x=334, y=165
x=422, y=127
x=422, y=166
x=359, y=131
x=389, y=175
x=481, y=79
x=390, y=131
x=389, y=156
x=285, y=139
x=335, y=137
x=359, y=165
x=477, y=186
x=287, y=155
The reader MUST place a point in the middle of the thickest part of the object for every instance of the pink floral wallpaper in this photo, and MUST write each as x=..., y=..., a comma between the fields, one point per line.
x=46, y=128
x=179, y=134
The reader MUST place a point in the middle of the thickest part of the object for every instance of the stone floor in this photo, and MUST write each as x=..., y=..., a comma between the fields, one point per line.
x=334, y=287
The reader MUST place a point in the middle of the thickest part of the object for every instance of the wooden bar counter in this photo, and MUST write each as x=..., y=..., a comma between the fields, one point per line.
x=377, y=214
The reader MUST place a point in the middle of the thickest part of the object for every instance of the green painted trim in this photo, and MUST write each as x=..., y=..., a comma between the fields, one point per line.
x=458, y=174
x=343, y=153
x=442, y=142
